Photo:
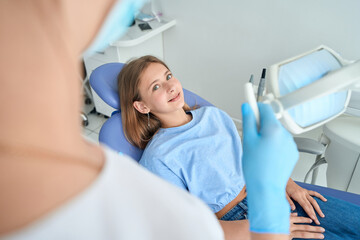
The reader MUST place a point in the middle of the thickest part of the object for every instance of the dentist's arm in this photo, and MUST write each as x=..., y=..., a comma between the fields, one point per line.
x=270, y=155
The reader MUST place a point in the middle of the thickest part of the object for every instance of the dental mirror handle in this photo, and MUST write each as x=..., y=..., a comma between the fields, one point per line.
x=250, y=98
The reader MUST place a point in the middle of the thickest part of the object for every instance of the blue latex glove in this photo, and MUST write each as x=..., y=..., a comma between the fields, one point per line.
x=269, y=157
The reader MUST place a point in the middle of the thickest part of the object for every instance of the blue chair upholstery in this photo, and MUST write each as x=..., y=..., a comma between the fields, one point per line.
x=103, y=80
x=346, y=196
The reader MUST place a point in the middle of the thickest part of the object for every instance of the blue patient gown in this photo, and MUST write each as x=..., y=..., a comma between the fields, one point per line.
x=202, y=157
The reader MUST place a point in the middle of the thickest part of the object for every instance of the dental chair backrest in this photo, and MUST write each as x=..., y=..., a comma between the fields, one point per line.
x=103, y=80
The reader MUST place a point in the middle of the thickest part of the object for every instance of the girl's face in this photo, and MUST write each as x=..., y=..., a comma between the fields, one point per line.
x=161, y=93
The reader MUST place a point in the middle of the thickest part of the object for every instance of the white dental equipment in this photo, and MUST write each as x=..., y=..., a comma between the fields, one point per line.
x=308, y=90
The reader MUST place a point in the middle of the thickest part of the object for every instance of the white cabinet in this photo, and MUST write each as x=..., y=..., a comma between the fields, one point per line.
x=135, y=43
x=343, y=153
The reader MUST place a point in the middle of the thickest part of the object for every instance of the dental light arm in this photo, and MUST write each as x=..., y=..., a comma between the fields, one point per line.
x=345, y=78
x=309, y=90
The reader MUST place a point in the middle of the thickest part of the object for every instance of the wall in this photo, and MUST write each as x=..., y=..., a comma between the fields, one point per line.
x=217, y=45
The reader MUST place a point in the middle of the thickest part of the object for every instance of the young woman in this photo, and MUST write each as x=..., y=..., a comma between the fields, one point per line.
x=200, y=150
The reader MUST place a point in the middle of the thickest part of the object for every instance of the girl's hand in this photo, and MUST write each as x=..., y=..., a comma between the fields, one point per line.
x=304, y=231
x=305, y=199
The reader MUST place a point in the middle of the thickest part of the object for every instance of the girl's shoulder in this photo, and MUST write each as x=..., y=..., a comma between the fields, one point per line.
x=211, y=110
x=203, y=109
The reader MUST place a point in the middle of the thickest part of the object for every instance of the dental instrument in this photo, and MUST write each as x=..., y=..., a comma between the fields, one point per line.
x=250, y=97
x=251, y=79
x=261, y=87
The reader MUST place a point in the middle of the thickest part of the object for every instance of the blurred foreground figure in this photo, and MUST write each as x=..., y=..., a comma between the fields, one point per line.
x=54, y=184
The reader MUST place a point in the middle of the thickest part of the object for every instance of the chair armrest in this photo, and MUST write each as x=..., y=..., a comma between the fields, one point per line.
x=345, y=196
x=308, y=145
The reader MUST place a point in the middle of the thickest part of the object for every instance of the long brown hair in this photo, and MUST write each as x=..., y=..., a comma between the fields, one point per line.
x=135, y=124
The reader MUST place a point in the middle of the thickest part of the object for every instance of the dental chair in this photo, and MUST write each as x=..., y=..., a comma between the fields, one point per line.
x=103, y=80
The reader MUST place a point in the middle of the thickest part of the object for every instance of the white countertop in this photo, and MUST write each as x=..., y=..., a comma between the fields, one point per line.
x=135, y=35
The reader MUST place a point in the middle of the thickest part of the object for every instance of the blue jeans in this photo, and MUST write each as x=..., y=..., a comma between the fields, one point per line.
x=341, y=222
x=342, y=219
x=238, y=212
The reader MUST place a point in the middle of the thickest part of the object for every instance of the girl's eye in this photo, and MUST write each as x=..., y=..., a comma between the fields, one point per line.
x=169, y=76
x=156, y=87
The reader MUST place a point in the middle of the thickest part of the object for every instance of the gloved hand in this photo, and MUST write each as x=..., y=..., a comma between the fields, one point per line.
x=269, y=156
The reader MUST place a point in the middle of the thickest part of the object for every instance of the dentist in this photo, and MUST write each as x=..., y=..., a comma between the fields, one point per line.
x=56, y=185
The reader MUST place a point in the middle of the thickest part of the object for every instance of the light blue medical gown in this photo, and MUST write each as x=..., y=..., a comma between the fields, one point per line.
x=202, y=156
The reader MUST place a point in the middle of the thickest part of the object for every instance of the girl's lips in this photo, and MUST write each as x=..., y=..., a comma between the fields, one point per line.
x=175, y=98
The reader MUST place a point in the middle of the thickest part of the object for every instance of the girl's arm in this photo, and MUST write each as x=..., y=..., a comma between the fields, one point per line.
x=239, y=230
x=267, y=236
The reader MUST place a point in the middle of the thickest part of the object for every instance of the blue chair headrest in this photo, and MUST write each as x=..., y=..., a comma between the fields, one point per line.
x=103, y=80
